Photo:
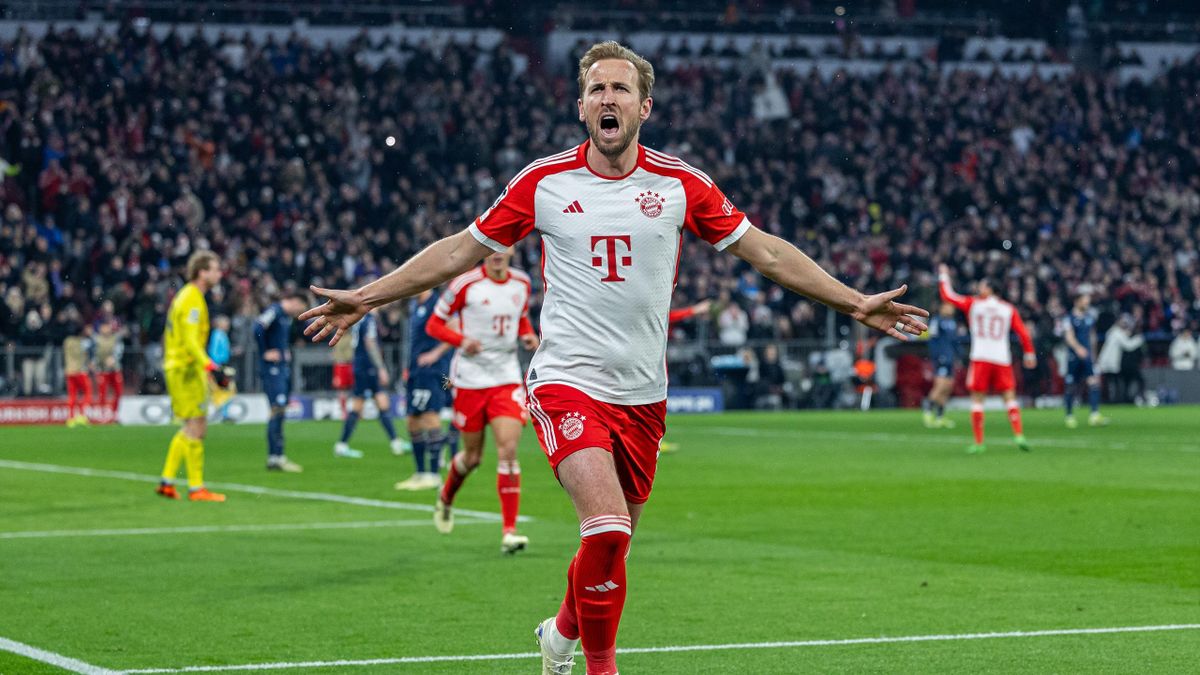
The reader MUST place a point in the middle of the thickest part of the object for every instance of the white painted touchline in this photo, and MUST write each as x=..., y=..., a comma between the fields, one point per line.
x=66, y=663
x=674, y=649
x=206, y=529
x=913, y=438
x=252, y=489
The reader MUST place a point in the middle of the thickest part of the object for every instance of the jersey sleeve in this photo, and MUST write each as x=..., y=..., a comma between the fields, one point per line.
x=962, y=302
x=710, y=214
x=1018, y=327
x=510, y=218
x=677, y=315
x=437, y=329
x=450, y=303
x=191, y=330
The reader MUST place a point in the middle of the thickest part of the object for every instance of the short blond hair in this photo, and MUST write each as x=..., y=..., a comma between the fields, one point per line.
x=199, y=262
x=611, y=49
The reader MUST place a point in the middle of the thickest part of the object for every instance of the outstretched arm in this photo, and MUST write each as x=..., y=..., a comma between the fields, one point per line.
x=789, y=267
x=439, y=262
x=962, y=302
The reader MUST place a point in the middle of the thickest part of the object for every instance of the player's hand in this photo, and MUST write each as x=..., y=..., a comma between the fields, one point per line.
x=428, y=358
x=1030, y=361
x=342, y=309
x=943, y=270
x=530, y=341
x=1081, y=352
x=471, y=346
x=272, y=356
x=702, y=307
x=896, y=319
x=223, y=375
x=384, y=380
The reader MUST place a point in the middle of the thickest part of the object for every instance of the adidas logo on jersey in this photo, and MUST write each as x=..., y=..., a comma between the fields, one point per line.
x=573, y=207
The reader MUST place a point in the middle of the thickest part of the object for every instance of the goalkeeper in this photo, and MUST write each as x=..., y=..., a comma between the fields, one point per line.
x=187, y=369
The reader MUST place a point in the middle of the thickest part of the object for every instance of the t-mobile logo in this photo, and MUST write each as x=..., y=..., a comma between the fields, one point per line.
x=608, y=258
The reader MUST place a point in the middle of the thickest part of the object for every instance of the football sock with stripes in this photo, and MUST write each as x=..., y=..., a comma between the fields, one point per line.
x=977, y=422
x=508, y=487
x=599, y=585
x=1014, y=417
x=454, y=478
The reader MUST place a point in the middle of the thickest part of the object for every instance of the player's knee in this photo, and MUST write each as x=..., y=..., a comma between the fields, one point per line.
x=607, y=535
x=278, y=411
x=472, y=459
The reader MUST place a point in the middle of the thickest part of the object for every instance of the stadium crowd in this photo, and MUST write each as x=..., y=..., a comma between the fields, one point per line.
x=297, y=163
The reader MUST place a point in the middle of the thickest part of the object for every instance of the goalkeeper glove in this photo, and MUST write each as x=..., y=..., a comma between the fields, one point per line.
x=223, y=376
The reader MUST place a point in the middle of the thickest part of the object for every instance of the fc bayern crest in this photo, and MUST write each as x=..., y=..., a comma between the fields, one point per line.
x=651, y=204
x=572, y=426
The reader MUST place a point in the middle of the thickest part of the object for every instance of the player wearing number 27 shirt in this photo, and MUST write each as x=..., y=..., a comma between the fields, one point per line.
x=990, y=320
x=492, y=303
x=611, y=214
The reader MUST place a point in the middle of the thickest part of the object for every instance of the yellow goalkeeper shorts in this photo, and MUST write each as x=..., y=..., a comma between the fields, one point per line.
x=188, y=389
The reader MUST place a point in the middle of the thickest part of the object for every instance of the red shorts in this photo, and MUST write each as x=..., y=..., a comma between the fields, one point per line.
x=343, y=375
x=474, y=408
x=983, y=376
x=567, y=420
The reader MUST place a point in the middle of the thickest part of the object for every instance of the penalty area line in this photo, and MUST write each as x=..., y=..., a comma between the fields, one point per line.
x=41, y=655
x=216, y=529
x=251, y=489
x=678, y=648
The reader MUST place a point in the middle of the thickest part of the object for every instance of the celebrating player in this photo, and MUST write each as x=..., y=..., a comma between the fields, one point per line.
x=427, y=394
x=77, y=350
x=943, y=350
x=371, y=379
x=611, y=214
x=272, y=330
x=110, y=348
x=1079, y=331
x=492, y=303
x=990, y=320
x=187, y=368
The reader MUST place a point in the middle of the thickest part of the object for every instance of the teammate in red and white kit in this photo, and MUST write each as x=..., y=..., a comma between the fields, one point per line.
x=612, y=215
x=990, y=319
x=492, y=303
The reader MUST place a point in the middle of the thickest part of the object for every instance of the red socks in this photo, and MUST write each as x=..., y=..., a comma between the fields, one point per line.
x=1014, y=417
x=508, y=487
x=977, y=422
x=596, y=587
x=454, y=479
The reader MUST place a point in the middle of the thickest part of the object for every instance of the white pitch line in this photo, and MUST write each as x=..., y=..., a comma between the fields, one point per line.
x=676, y=649
x=206, y=529
x=912, y=438
x=252, y=489
x=64, y=662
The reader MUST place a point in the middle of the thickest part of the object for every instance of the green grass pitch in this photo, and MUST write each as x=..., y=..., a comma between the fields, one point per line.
x=764, y=527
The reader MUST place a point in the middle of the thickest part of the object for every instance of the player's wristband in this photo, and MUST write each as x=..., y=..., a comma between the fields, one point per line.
x=210, y=366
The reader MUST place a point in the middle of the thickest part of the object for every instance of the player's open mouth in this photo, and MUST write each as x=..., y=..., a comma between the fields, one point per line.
x=610, y=125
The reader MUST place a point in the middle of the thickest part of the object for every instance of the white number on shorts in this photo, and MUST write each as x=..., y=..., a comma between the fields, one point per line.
x=421, y=398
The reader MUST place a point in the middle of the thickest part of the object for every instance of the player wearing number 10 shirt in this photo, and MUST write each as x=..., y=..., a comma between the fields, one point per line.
x=990, y=320
x=611, y=214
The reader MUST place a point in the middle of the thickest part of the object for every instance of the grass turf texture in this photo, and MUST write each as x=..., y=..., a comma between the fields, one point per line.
x=764, y=527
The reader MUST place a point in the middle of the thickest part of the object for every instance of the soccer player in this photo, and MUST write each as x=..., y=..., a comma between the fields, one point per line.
x=371, y=380
x=492, y=303
x=187, y=368
x=611, y=214
x=427, y=393
x=1079, y=331
x=272, y=331
x=343, y=372
x=110, y=348
x=77, y=364
x=943, y=351
x=990, y=320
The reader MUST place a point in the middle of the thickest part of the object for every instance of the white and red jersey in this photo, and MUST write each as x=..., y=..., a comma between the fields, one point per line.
x=990, y=320
x=493, y=312
x=610, y=255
